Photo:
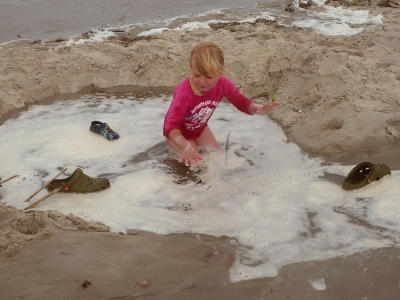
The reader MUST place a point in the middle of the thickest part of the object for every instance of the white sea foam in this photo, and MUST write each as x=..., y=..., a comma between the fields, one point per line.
x=193, y=26
x=331, y=21
x=349, y=15
x=153, y=31
x=95, y=36
x=319, y=3
x=263, y=192
x=328, y=28
x=318, y=283
x=335, y=20
x=190, y=26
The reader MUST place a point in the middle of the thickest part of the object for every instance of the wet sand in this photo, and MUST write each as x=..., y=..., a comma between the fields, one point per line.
x=47, y=255
x=54, y=266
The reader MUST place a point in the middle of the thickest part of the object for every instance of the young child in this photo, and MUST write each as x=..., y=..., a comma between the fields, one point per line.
x=196, y=98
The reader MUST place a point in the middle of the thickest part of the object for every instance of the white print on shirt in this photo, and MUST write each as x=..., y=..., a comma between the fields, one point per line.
x=198, y=119
x=205, y=103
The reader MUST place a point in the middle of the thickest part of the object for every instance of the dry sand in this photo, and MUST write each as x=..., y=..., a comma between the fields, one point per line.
x=340, y=100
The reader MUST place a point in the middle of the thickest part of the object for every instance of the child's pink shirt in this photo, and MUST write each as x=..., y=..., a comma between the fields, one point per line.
x=190, y=113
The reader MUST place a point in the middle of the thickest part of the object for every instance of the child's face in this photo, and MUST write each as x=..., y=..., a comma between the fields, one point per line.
x=202, y=82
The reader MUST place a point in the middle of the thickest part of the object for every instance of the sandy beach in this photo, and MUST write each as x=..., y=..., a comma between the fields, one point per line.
x=340, y=101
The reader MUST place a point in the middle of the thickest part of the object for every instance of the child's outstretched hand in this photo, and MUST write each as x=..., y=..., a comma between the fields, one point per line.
x=262, y=109
x=190, y=156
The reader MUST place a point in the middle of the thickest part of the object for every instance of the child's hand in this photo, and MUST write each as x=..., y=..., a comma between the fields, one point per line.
x=190, y=156
x=260, y=110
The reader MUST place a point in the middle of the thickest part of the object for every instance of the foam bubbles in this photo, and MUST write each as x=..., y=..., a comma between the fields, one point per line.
x=335, y=20
x=318, y=283
x=153, y=31
x=95, y=36
x=265, y=194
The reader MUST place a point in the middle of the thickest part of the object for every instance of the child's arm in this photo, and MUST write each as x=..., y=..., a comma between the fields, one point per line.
x=241, y=102
x=257, y=109
x=189, y=154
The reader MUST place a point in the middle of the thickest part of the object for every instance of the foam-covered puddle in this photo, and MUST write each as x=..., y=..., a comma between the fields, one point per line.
x=258, y=189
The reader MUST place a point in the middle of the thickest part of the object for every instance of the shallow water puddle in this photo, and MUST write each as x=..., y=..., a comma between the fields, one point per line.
x=260, y=190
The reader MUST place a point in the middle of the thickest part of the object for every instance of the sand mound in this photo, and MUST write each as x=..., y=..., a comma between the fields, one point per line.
x=17, y=227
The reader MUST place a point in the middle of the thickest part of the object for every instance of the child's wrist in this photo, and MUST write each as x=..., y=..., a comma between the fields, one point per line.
x=254, y=107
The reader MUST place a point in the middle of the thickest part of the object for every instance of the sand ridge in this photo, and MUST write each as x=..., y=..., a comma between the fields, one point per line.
x=18, y=228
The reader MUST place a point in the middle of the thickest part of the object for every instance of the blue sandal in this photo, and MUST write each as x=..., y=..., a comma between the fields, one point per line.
x=104, y=130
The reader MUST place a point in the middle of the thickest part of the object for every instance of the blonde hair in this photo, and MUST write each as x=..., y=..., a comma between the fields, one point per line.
x=208, y=58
